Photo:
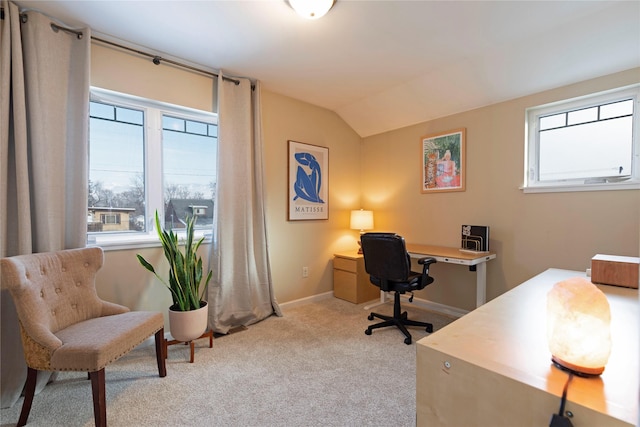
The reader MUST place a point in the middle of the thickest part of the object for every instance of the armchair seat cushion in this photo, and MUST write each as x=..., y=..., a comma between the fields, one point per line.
x=93, y=344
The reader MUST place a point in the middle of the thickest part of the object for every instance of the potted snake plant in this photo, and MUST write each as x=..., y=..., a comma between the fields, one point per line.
x=188, y=314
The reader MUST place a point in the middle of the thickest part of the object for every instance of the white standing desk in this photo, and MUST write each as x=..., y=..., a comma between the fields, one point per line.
x=476, y=261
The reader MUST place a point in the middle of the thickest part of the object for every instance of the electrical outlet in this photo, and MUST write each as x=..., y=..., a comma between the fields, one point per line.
x=305, y=271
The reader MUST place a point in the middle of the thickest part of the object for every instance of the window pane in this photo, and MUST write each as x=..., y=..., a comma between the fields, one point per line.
x=600, y=149
x=127, y=115
x=116, y=171
x=196, y=127
x=582, y=116
x=616, y=109
x=554, y=121
x=102, y=111
x=189, y=172
x=172, y=123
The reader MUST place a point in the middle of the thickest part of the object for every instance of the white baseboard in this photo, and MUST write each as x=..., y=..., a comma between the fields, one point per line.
x=439, y=308
x=417, y=302
x=306, y=300
x=424, y=304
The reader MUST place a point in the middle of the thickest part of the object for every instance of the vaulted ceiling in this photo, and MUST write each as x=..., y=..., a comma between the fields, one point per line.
x=381, y=65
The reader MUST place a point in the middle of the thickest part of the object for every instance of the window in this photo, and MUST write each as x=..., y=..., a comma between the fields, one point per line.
x=588, y=143
x=146, y=156
x=110, y=218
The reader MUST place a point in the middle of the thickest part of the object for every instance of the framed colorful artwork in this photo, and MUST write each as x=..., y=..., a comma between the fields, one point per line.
x=308, y=182
x=443, y=161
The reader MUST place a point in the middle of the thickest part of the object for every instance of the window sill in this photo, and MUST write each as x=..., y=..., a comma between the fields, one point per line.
x=117, y=243
x=607, y=186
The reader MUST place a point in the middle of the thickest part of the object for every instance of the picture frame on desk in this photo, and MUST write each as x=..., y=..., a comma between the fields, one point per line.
x=443, y=161
x=308, y=182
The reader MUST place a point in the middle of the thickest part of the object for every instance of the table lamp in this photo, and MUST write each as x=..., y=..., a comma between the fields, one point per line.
x=578, y=327
x=361, y=220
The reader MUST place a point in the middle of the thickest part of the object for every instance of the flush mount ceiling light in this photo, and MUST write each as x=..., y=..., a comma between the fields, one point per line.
x=311, y=9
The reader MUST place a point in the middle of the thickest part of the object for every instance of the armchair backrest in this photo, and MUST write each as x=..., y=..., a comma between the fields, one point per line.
x=385, y=256
x=53, y=290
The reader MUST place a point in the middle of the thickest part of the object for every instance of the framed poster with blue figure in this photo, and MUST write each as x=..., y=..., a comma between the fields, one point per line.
x=308, y=181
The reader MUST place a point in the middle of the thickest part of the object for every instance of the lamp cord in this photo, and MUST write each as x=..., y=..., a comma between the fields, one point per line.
x=564, y=395
x=559, y=420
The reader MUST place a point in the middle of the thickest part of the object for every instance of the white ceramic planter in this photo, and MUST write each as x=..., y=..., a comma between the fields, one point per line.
x=188, y=325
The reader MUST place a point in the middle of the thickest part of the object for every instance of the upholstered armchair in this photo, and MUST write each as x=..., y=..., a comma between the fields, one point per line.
x=65, y=326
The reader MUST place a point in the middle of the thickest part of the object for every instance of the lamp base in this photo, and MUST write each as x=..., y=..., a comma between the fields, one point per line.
x=579, y=371
x=359, y=247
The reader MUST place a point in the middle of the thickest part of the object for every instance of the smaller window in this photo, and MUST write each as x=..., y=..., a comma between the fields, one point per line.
x=588, y=143
x=199, y=210
x=110, y=218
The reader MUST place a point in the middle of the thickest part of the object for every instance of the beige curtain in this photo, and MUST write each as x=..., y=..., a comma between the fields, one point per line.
x=241, y=291
x=44, y=104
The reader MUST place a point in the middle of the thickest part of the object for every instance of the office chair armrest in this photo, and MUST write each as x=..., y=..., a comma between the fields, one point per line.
x=426, y=262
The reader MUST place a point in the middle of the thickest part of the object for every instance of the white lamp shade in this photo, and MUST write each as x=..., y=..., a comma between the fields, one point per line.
x=361, y=220
x=311, y=9
x=578, y=326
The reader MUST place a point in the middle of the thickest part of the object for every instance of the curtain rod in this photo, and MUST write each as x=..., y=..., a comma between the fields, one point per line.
x=157, y=59
x=55, y=27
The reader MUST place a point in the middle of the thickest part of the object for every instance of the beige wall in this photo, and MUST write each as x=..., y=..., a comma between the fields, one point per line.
x=295, y=244
x=121, y=71
x=529, y=232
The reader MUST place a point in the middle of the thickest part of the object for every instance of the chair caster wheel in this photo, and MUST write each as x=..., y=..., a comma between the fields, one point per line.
x=367, y=332
x=370, y=317
x=407, y=340
x=430, y=328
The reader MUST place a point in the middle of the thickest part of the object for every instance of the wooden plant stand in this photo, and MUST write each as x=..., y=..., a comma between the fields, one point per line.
x=190, y=343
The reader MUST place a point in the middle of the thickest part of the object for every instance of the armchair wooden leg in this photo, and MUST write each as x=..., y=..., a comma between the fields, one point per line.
x=29, y=391
x=99, y=398
x=161, y=353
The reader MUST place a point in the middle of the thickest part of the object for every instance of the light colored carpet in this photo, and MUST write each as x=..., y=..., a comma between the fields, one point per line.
x=312, y=367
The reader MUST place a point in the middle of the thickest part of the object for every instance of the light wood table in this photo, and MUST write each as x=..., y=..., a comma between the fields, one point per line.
x=492, y=367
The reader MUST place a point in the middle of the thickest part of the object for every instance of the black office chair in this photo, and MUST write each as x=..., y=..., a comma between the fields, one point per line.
x=387, y=262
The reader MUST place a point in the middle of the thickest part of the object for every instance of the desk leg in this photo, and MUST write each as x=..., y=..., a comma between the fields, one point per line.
x=481, y=283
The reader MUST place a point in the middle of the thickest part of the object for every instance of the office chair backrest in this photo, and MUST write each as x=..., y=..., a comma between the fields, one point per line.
x=385, y=256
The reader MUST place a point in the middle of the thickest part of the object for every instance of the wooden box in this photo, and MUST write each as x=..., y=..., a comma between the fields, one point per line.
x=615, y=270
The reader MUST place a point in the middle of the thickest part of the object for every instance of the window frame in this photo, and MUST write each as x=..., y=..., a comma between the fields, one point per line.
x=153, y=170
x=532, y=184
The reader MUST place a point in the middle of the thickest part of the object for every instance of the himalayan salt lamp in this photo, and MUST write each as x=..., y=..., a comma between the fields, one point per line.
x=578, y=326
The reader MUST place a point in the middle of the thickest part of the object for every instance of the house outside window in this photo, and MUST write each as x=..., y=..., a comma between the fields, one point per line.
x=584, y=144
x=143, y=155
